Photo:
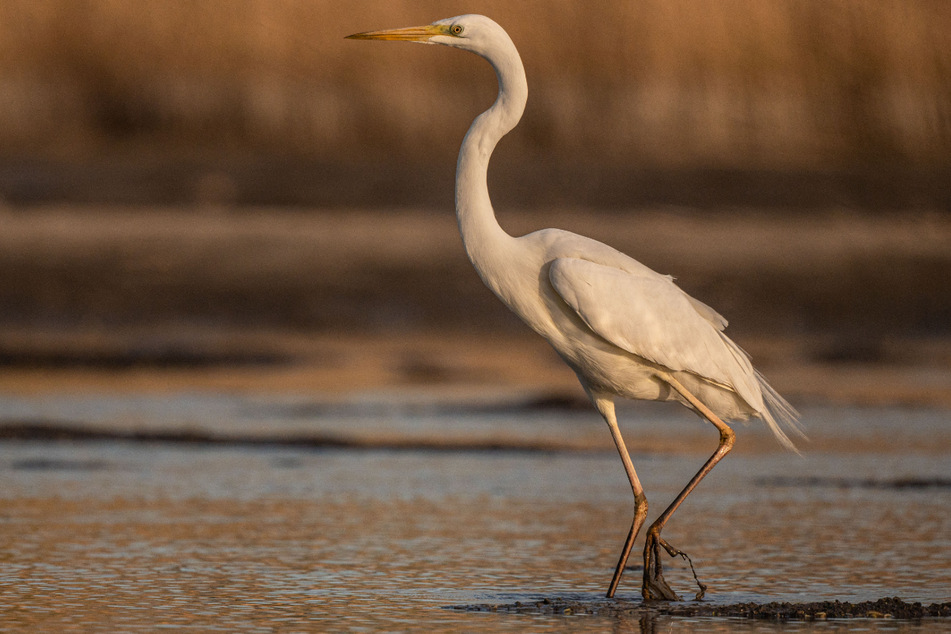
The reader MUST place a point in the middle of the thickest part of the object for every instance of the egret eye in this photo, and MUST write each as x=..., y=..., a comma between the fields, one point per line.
x=456, y=29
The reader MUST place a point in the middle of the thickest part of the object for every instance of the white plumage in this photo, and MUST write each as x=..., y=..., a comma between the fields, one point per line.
x=624, y=329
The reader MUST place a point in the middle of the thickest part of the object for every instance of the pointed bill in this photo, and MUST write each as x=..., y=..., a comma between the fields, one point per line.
x=408, y=34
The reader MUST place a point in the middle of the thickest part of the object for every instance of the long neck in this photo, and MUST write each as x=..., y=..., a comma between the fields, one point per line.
x=481, y=233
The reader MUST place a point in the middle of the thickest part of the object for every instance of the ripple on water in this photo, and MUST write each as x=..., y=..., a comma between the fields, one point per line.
x=127, y=536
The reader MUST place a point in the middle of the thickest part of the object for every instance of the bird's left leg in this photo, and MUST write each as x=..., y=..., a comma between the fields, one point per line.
x=606, y=407
x=655, y=587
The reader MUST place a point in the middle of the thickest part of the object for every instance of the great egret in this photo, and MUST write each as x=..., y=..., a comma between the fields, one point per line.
x=624, y=329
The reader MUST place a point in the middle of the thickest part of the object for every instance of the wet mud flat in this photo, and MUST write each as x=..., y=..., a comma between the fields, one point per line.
x=835, y=305
x=823, y=274
x=886, y=608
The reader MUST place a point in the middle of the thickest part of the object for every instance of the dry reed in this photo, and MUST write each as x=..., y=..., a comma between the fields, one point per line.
x=788, y=83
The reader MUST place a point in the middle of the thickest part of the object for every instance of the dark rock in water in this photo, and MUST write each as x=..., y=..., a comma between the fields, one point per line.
x=887, y=608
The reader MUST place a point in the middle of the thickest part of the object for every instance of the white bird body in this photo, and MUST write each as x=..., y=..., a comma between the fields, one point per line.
x=602, y=311
x=624, y=329
x=618, y=324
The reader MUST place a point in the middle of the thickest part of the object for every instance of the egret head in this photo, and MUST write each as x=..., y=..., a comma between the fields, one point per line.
x=475, y=33
x=480, y=35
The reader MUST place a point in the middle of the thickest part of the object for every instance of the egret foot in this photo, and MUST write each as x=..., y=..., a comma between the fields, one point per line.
x=655, y=587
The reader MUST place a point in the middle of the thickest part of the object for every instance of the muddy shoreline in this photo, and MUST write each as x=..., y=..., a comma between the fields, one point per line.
x=885, y=608
x=834, y=305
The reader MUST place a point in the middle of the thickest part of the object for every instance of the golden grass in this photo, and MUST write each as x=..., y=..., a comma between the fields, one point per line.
x=711, y=82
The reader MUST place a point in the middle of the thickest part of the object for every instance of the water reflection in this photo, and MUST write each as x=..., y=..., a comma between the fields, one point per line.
x=123, y=536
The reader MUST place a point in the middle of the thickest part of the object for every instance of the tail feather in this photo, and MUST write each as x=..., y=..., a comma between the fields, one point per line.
x=779, y=414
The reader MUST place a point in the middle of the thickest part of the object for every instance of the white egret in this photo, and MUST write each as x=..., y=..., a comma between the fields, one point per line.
x=625, y=330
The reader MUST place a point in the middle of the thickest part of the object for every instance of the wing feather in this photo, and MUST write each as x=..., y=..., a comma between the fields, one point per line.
x=650, y=316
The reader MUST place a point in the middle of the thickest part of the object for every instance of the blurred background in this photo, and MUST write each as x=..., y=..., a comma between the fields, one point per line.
x=205, y=185
x=248, y=376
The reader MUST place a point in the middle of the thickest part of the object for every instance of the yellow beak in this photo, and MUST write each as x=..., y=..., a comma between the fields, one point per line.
x=409, y=34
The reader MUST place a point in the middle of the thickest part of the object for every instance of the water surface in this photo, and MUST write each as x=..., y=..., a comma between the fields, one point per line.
x=127, y=535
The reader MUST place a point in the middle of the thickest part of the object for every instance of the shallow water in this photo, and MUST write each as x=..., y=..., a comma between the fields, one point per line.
x=122, y=535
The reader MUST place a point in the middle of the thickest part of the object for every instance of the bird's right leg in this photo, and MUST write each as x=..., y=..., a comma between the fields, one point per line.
x=606, y=408
x=655, y=587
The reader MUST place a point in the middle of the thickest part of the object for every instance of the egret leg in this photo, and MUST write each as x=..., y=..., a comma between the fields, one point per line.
x=655, y=587
x=606, y=408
